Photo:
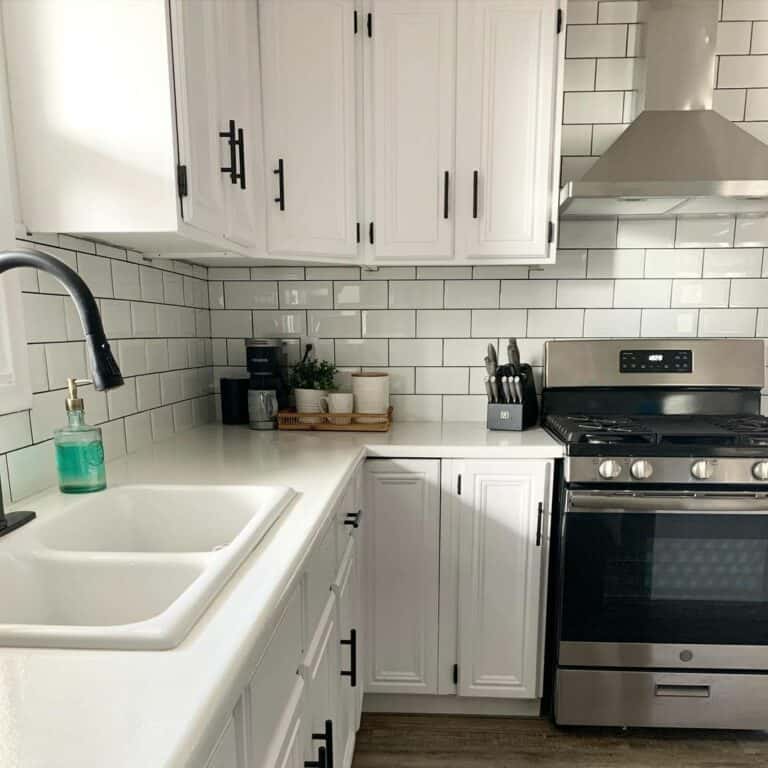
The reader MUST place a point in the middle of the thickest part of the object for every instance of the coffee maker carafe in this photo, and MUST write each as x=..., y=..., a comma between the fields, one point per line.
x=267, y=390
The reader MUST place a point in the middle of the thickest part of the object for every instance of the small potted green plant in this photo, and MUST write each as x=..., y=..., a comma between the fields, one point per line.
x=311, y=381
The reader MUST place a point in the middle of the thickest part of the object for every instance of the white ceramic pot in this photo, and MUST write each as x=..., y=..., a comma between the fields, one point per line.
x=309, y=401
x=371, y=391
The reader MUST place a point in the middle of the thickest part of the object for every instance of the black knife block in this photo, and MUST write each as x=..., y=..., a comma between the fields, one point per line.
x=516, y=416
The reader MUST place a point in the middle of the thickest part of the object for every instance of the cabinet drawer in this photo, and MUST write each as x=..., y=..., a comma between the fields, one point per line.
x=273, y=683
x=318, y=578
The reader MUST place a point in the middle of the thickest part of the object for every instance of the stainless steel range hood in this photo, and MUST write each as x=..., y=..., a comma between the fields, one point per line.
x=679, y=157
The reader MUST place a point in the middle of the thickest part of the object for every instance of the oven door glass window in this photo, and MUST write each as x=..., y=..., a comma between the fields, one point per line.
x=665, y=578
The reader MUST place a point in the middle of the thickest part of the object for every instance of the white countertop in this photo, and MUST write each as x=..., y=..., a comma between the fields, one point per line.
x=151, y=708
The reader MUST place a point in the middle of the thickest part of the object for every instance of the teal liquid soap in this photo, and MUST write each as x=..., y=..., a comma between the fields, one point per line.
x=79, y=451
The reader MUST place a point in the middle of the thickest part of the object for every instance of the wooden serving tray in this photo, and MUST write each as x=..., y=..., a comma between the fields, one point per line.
x=333, y=422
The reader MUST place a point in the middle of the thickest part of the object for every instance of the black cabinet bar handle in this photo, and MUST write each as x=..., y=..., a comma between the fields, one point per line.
x=370, y=233
x=475, y=182
x=327, y=737
x=539, y=524
x=445, y=194
x=280, y=172
x=321, y=761
x=369, y=23
x=353, y=518
x=352, y=673
x=230, y=136
x=241, y=154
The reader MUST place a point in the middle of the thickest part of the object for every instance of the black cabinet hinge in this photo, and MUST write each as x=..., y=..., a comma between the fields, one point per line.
x=355, y=22
x=455, y=674
x=358, y=231
x=458, y=486
x=181, y=180
x=551, y=232
x=370, y=233
x=369, y=23
x=559, y=20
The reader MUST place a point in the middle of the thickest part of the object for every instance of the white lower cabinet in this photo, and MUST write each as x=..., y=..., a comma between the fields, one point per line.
x=402, y=570
x=229, y=751
x=460, y=568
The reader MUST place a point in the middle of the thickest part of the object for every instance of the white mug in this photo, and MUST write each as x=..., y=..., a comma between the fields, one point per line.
x=338, y=402
x=309, y=401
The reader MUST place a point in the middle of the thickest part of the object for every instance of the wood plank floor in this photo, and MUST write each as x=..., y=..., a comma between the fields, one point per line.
x=448, y=741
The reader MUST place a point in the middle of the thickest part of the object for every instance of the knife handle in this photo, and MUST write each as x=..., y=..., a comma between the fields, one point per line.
x=506, y=389
x=494, y=389
x=488, y=390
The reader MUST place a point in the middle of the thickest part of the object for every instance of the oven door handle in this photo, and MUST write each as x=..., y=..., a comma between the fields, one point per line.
x=683, y=504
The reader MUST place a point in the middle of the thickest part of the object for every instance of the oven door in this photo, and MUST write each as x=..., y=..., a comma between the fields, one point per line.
x=665, y=580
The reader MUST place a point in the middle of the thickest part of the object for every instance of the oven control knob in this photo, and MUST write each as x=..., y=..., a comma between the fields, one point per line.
x=760, y=470
x=609, y=469
x=702, y=470
x=642, y=470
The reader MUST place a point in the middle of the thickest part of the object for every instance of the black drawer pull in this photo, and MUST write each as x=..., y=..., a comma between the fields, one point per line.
x=353, y=518
x=445, y=194
x=230, y=136
x=352, y=643
x=280, y=172
x=321, y=761
x=327, y=737
x=475, y=184
x=241, y=155
x=539, y=522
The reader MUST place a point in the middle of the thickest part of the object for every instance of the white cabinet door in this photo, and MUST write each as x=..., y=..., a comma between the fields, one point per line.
x=240, y=102
x=410, y=119
x=197, y=67
x=506, y=117
x=291, y=753
x=308, y=84
x=401, y=566
x=502, y=535
x=321, y=673
x=229, y=751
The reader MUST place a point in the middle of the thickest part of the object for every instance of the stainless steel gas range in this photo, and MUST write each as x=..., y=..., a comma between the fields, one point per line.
x=661, y=597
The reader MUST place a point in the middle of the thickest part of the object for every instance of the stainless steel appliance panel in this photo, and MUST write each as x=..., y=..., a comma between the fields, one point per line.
x=656, y=699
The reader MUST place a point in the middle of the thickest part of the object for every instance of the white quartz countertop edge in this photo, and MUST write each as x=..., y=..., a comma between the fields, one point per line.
x=160, y=708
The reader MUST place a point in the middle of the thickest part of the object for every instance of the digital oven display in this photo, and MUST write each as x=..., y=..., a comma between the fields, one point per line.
x=656, y=361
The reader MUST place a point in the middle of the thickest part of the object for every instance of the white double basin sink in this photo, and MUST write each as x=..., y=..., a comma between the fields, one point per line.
x=132, y=568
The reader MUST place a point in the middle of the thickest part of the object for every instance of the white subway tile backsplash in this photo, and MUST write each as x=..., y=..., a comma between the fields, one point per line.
x=266, y=273
x=586, y=233
x=443, y=273
x=162, y=423
x=464, y=407
x=173, y=288
x=590, y=40
x=442, y=381
x=498, y=322
x=757, y=104
x=743, y=72
x=727, y=322
x=668, y=262
x=439, y=323
x=733, y=37
x=466, y=294
x=619, y=11
x=116, y=316
x=611, y=323
x=615, y=74
x=760, y=37
x=178, y=353
x=170, y=387
x=401, y=380
x=49, y=284
x=363, y=352
x=97, y=274
x=700, y=293
x=306, y=295
x=570, y=263
x=361, y=295
x=231, y=322
x=642, y=293
x=716, y=232
x=121, y=401
x=417, y=407
x=65, y=361
x=416, y=294
x=669, y=322
x=44, y=318
x=576, y=140
x=749, y=293
x=613, y=263
x=584, y=293
x=646, y=233
x=334, y=323
x=751, y=231
x=15, y=431
x=733, y=262
x=414, y=352
x=330, y=273
x=582, y=12
x=148, y=392
x=151, y=284
x=574, y=168
x=250, y=295
x=388, y=273
x=500, y=273
x=551, y=323
x=586, y=107
x=38, y=372
x=279, y=323
x=466, y=351
x=126, y=280
x=157, y=355
x=605, y=135
x=388, y=323
x=138, y=432
x=32, y=469
x=579, y=75
x=528, y=293
x=730, y=102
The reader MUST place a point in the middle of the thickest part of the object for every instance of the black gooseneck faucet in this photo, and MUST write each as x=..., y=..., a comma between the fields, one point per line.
x=104, y=369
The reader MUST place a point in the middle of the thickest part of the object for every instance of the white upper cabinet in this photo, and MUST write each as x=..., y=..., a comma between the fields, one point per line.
x=506, y=130
x=503, y=511
x=410, y=121
x=310, y=128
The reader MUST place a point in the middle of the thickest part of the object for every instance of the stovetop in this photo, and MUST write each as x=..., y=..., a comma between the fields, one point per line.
x=622, y=435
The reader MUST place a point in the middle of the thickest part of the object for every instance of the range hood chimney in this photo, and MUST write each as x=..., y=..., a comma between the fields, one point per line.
x=679, y=157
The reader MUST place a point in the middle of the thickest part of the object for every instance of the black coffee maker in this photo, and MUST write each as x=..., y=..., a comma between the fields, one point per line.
x=263, y=359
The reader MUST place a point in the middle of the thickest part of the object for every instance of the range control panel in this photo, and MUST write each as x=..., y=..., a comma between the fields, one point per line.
x=656, y=361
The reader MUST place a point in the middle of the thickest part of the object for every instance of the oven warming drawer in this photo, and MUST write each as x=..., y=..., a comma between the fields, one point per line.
x=661, y=700
x=663, y=656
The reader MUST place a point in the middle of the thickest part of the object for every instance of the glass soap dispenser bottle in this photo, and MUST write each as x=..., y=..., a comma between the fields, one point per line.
x=79, y=448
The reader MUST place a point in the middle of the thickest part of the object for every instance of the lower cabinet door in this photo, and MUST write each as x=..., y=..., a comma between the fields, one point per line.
x=229, y=751
x=502, y=536
x=321, y=672
x=401, y=562
x=291, y=752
